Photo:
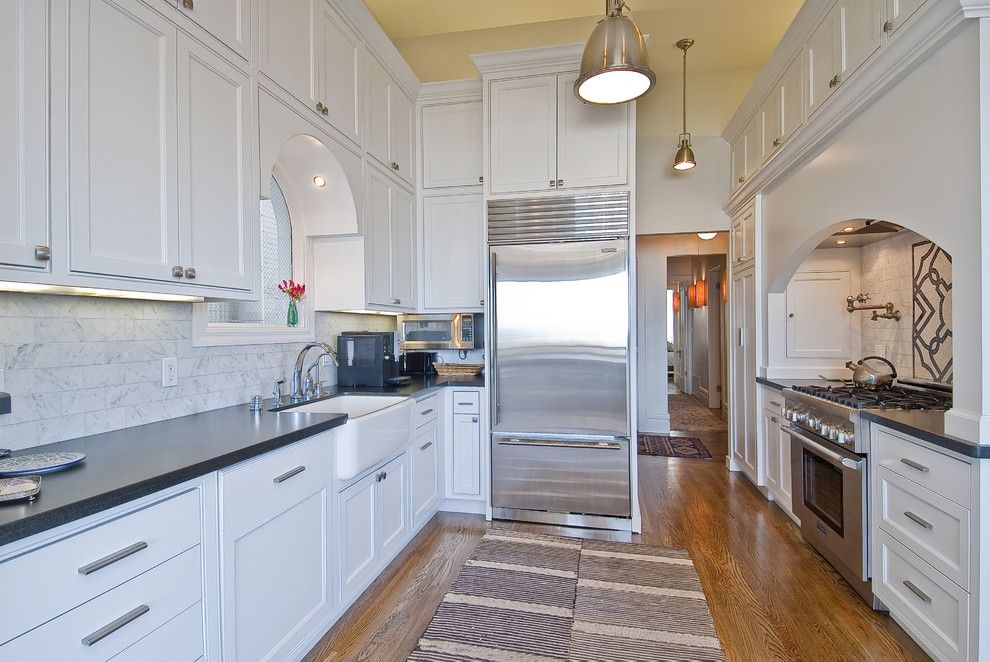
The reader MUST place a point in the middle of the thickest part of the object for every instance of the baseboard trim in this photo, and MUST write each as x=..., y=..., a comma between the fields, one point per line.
x=466, y=506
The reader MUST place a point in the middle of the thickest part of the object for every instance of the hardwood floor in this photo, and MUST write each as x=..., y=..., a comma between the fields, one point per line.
x=771, y=595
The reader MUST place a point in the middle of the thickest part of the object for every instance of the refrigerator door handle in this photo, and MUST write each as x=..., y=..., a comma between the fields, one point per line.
x=493, y=354
x=555, y=443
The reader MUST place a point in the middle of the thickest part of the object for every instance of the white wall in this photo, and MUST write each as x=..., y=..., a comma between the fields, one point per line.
x=912, y=158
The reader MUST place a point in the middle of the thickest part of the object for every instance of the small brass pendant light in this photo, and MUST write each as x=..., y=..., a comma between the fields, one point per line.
x=685, y=155
x=615, y=67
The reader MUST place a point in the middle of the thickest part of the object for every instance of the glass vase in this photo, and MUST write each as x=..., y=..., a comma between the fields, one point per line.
x=292, y=316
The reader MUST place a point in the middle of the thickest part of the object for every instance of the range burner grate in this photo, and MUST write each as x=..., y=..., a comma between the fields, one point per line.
x=896, y=397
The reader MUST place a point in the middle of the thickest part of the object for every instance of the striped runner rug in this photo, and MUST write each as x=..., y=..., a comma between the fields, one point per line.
x=525, y=597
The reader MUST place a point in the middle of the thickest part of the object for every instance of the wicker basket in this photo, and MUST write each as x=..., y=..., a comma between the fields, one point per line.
x=458, y=369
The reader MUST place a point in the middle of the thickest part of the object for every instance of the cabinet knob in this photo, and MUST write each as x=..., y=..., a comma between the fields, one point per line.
x=325, y=111
x=395, y=166
x=742, y=179
x=776, y=142
x=560, y=182
x=836, y=79
x=481, y=179
x=42, y=253
x=396, y=301
x=888, y=26
x=319, y=106
x=190, y=273
x=553, y=183
x=482, y=302
x=188, y=4
x=474, y=419
x=177, y=272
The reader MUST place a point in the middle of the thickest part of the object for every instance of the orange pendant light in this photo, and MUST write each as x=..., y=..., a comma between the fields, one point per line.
x=702, y=294
x=692, y=295
x=677, y=302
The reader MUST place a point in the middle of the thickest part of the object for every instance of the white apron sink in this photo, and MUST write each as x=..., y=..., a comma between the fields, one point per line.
x=377, y=426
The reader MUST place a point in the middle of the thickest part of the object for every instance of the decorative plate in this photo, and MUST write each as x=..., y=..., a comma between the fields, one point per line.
x=18, y=489
x=38, y=463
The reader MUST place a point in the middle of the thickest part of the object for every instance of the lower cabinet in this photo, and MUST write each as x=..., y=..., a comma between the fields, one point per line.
x=424, y=473
x=465, y=465
x=778, y=449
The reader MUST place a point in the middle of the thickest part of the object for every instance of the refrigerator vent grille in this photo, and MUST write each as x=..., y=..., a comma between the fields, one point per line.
x=549, y=219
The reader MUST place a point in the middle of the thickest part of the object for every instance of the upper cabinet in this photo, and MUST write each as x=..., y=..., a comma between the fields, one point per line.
x=452, y=144
x=389, y=243
x=391, y=122
x=288, y=47
x=227, y=20
x=783, y=110
x=898, y=11
x=24, y=226
x=339, y=64
x=453, y=253
x=543, y=138
x=847, y=37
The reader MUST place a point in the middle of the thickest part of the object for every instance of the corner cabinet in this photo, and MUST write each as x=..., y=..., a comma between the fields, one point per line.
x=453, y=253
x=389, y=242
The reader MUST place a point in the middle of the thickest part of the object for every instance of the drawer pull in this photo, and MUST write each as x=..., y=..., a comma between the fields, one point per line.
x=917, y=591
x=914, y=465
x=426, y=412
x=918, y=520
x=775, y=403
x=426, y=445
x=465, y=404
x=113, y=626
x=99, y=564
x=288, y=474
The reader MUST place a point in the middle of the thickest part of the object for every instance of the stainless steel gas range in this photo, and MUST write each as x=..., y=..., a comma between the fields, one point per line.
x=830, y=444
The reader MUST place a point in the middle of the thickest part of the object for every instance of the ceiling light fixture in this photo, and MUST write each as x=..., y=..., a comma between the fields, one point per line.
x=615, y=67
x=841, y=242
x=685, y=155
x=707, y=236
x=849, y=228
x=319, y=182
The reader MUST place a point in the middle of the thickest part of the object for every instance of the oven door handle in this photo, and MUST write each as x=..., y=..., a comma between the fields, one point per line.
x=856, y=465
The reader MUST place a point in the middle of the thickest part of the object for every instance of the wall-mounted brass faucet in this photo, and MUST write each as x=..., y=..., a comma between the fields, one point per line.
x=889, y=312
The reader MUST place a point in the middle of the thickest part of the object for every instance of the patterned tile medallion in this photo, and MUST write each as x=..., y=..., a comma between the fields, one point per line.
x=932, y=327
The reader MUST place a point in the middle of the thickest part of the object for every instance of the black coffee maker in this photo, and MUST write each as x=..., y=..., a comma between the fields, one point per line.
x=367, y=358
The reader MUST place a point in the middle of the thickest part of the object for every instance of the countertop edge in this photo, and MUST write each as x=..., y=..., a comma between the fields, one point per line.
x=960, y=446
x=764, y=381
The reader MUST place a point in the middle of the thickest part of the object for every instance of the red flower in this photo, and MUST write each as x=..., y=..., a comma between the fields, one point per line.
x=292, y=289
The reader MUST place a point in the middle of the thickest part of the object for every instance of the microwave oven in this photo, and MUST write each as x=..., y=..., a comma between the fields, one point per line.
x=461, y=331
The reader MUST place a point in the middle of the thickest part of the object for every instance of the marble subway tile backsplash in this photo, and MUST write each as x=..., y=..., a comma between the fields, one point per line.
x=77, y=366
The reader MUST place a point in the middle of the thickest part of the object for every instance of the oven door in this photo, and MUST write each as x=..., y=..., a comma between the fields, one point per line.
x=830, y=500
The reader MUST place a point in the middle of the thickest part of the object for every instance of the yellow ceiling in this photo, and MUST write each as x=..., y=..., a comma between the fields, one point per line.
x=437, y=38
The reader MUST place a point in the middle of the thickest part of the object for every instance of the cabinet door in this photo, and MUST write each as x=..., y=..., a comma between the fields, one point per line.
x=745, y=448
x=218, y=209
x=24, y=132
x=378, y=238
x=592, y=140
x=823, y=61
x=817, y=321
x=424, y=473
x=899, y=11
x=121, y=110
x=377, y=134
x=861, y=32
x=288, y=46
x=465, y=461
x=275, y=579
x=792, y=100
x=339, y=65
x=403, y=254
x=754, y=145
x=743, y=235
x=402, y=130
x=357, y=548
x=523, y=140
x=452, y=145
x=453, y=246
x=772, y=112
x=770, y=435
x=393, y=516
x=784, y=453
x=738, y=161
x=227, y=20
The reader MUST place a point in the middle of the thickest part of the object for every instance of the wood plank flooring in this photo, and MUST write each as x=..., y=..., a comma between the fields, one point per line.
x=771, y=595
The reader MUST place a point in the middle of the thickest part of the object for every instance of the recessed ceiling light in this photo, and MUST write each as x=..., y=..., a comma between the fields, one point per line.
x=707, y=235
x=319, y=182
x=849, y=228
x=841, y=242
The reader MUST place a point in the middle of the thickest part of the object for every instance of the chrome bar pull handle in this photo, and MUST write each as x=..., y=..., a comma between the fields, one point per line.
x=110, y=559
x=426, y=445
x=914, y=465
x=917, y=591
x=115, y=625
x=288, y=474
x=426, y=412
x=177, y=272
x=920, y=521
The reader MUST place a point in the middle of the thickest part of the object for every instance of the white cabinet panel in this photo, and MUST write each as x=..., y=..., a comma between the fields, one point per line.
x=357, y=515
x=772, y=114
x=744, y=446
x=339, y=65
x=393, y=513
x=754, y=145
x=817, y=320
x=861, y=32
x=391, y=121
x=523, y=128
x=424, y=473
x=403, y=221
x=465, y=464
x=778, y=455
x=738, y=162
x=227, y=20
x=122, y=152
x=402, y=125
x=377, y=238
x=218, y=210
x=288, y=46
x=377, y=126
x=452, y=145
x=792, y=99
x=592, y=140
x=899, y=11
x=23, y=132
x=179, y=639
x=742, y=235
x=453, y=253
x=823, y=61
x=274, y=577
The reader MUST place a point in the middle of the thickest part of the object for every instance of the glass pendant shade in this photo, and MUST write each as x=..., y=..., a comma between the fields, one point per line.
x=692, y=295
x=677, y=302
x=615, y=67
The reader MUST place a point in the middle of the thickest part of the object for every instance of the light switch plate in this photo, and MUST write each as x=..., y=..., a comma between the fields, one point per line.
x=170, y=372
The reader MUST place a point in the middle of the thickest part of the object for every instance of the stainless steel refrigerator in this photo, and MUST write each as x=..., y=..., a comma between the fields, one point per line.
x=560, y=359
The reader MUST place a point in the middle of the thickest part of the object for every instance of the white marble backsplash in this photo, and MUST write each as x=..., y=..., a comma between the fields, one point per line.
x=76, y=366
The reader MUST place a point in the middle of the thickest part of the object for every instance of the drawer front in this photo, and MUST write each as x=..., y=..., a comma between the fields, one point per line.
x=940, y=473
x=467, y=402
x=179, y=640
x=936, y=529
x=108, y=624
x=425, y=411
x=933, y=607
x=53, y=579
x=257, y=483
x=773, y=402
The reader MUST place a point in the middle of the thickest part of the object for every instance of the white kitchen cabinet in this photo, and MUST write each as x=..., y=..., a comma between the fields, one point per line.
x=24, y=219
x=275, y=575
x=899, y=11
x=122, y=162
x=862, y=31
x=754, y=145
x=288, y=46
x=218, y=210
x=522, y=134
x=592, y=140
x=339, y=63
x=782, y=110
x=465, y=465
x=452, y=144
x=818, y=325
x=745, y=450
x=390, y=122
x=389, y=242
x=771, y=111
x=227, y=20
x=847, y=37
x=424, y=473
x=403, y=225
x=778, y=453
x=823, y=61
x=742, y=236
x=357, y=517
x=393, y=510
x=453, y=253
x=737, y=164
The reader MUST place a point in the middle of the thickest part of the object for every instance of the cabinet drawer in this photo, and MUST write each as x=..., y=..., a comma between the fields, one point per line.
x=773, y=402
x=249, y=487
x=940, y=473
x=935, y=609
x=935, y=528
x=425, y=411
x=181, y=639
x=467, y=402
x=53, y=579
x=117, y=619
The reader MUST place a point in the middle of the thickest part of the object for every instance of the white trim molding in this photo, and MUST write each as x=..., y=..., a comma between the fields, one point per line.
x=523, y=60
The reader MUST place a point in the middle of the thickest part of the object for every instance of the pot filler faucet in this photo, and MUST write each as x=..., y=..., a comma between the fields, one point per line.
x=298, y=392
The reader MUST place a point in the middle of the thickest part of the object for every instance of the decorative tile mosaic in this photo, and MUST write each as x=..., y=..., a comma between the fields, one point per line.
x=932, y=326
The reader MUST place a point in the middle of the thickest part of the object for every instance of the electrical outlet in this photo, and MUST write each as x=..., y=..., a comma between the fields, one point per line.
x=170, y=372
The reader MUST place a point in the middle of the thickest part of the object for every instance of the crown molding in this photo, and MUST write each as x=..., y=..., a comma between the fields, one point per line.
x=975, y=8
x=566, y=56
x=465, y=89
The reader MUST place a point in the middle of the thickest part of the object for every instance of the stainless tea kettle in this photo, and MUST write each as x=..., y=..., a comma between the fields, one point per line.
x=870, y=378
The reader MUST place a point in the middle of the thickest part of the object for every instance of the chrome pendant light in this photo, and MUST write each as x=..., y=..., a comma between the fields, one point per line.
x=685, y=155
x=615, y=67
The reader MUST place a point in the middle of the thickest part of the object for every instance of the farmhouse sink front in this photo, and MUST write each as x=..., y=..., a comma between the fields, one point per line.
x=377, y=426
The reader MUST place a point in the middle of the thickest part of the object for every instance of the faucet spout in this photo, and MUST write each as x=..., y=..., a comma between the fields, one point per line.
x=298, y=392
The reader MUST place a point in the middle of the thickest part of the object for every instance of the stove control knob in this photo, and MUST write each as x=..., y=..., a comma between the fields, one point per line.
x=812, y=422
x=845, y=437
x=833, y=433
